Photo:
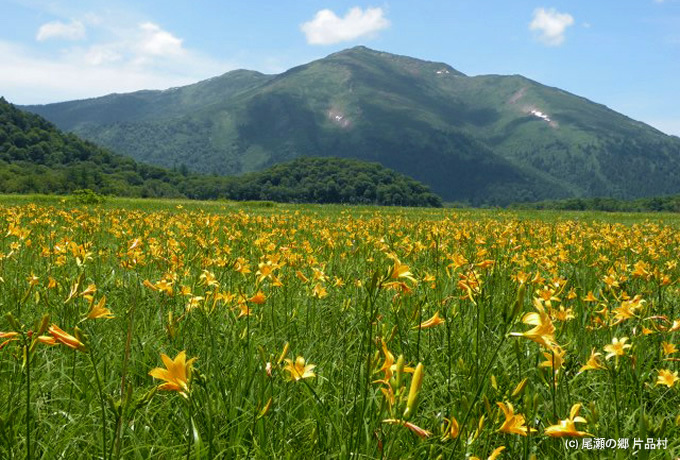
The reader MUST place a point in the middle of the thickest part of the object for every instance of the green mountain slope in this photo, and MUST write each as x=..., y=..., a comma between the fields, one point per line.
x=486, y=139
x=36, y=157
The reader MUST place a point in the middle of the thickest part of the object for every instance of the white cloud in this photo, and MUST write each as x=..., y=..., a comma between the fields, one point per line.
x=551, y=25
x=158, y=42
x=57, y=29
x=127, y=58
x=327, y=28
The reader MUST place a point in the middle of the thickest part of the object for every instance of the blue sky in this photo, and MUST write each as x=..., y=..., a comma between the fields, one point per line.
x=621, y=53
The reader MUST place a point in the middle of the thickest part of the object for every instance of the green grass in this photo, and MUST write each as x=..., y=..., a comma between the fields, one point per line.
x=124, y=247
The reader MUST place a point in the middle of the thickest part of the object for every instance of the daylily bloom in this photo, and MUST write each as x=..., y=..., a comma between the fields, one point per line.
x=543, y=332
x=567, y=427
x=176, y=374
x=494, y=455
x=554, y=358
x=617, y=347
x=10, y=336
x=387, y=366
x=514, y=423
x=590, y=297
x=298, y=369
x=593, y=362
x=668, y=348
x=432, y=322
x=452, y=429
x=668, y=378
x=99, y=311
x=258, y=298
x=400, y=270
x=243, y=310
x=65, y=338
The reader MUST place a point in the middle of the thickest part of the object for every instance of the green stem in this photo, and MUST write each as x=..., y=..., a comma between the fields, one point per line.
x=73, y=377
x=553, y=387
x=27, y=354
x=102, y=406
x=616, y=401
x=480, y=387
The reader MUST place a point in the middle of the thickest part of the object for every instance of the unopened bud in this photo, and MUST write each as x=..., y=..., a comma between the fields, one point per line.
x=416, y=382
x=12, y=321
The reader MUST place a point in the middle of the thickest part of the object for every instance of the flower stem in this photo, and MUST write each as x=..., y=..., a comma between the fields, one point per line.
x=27, y=355
x=102, y=406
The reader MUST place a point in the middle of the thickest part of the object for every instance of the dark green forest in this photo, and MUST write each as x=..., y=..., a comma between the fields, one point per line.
x=35, y=157
x=668, y=203
x=332, y=180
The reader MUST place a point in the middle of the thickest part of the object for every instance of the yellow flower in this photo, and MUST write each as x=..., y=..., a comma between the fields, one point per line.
x=66, y=339
x=10, y=336
x=668, y=378
x=567, y=427
x=452, y=430
x=593, y=363
x=432, y=322
x=243, y=310
x=554, y=358
x=319, y=291
x=400, y=270
x=668, y=348
x=590, y=297
x=543, y=332
x=387, y=366
x=33, y=280
x=494, y=455
x=514, y=423
x=298, y=369
x=99, y=311
x=176, y=374
x=258, y=298
x=617, y=347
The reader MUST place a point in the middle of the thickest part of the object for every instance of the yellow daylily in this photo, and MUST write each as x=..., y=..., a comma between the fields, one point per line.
x=593, y=362
x=99, y=310
x=65, y=338
x=668, y=378
x=514, y=423
x=432, y=322
x=177, y=373
x=567, y=427
x=617, y=347
x=298, y=369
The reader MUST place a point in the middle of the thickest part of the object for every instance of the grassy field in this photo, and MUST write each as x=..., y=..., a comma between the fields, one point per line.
x=145, y=329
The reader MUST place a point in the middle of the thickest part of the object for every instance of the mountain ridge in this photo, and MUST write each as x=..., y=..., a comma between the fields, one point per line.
x=488, y=139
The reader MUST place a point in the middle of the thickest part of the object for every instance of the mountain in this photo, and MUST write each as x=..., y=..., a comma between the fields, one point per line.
x=487, y=139
x=36, y=157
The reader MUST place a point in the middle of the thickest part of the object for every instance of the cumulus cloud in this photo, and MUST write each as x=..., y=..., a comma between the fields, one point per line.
x=124, y=58
x=550, y=25
x=158, y=42
x=57, y=29
x=327, y=28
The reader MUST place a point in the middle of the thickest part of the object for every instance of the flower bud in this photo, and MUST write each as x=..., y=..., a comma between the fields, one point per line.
x=416, y=382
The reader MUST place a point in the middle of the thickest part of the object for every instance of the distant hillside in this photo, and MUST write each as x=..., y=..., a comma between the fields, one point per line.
x=487, y=139
x=332, y=180
x=36, y=157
